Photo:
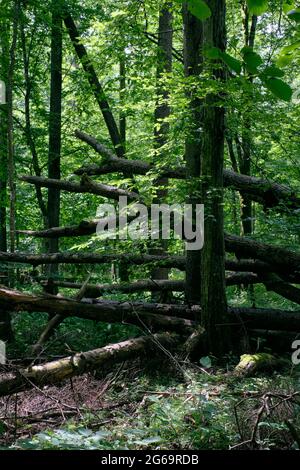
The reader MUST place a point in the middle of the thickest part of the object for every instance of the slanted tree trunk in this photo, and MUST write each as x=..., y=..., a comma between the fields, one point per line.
x=213, y=293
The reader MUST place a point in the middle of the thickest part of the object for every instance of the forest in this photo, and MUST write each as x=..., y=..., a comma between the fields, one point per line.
x=149, y=225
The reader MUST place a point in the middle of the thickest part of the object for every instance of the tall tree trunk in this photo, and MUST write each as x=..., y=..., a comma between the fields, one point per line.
x=193, y=60
x=55, y=126
x=162, y=112
x=213, y=293
x=245, y=164
x=5, y=326
x=10, y=137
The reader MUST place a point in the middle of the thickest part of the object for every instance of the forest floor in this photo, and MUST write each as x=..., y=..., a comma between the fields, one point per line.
x=131, y=407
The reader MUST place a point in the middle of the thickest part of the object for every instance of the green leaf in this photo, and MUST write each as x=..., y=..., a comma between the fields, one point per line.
x=205, y=362
x=252, y=59
x=294, y=15
x=287, y=5
x=231, y=62
x=279, y=88
x=213, y=53
x=257, y=7
x=273, y=72
x=199, y=9
x=148, y=440
x=287, y=54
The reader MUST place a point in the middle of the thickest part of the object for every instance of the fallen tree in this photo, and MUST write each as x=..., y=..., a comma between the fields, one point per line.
x=260, y=190
x=169, y=317
x=172, y=317
x=59, y=370
x=151, y=285
x=279, y=258
x=92, y=258
x=260, y=318
x=85, y=186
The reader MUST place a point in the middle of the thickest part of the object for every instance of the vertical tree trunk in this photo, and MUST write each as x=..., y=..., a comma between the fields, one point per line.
x=162, y=112
x=123, y=265
x=4, y=38
x=55, y=127
x=10, y=137
x=5, y=327
x=193, y=59
x=213, y=294
x=245, y=165
x=7, y=163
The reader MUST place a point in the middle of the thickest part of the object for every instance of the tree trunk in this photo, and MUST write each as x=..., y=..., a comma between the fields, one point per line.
x=164, y=317
x=95, y=85
x=265, y=192
x=213, y=293
x=193, y=37
x=59, y=370
x=161, y=125
x=55, y=131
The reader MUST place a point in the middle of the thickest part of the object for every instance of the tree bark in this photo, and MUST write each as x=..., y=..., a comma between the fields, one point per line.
x=265, y=192
x=213, y=292
x=54, y=151
x=161, y=124
x=91, y=258
x=145, y=315
x=193, y=59
x=95, y=85
x=59, y=370
x=86, y=186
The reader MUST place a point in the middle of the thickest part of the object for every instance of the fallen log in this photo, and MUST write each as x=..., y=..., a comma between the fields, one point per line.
x=80, y=363
x=96, y=290
x=85, y=186
x=260, y=190
x=151, y=285
x=168, y=317
x=279, y=258
x=275, y=284
x=251, y=363
x=92, y=258
x=262, y=318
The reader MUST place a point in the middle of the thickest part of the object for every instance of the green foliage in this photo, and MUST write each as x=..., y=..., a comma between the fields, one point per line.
x=294, y=15
x=279, y=88
x=252, y=60
x=257, y=7
x=231, y=62
x=199, y=8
